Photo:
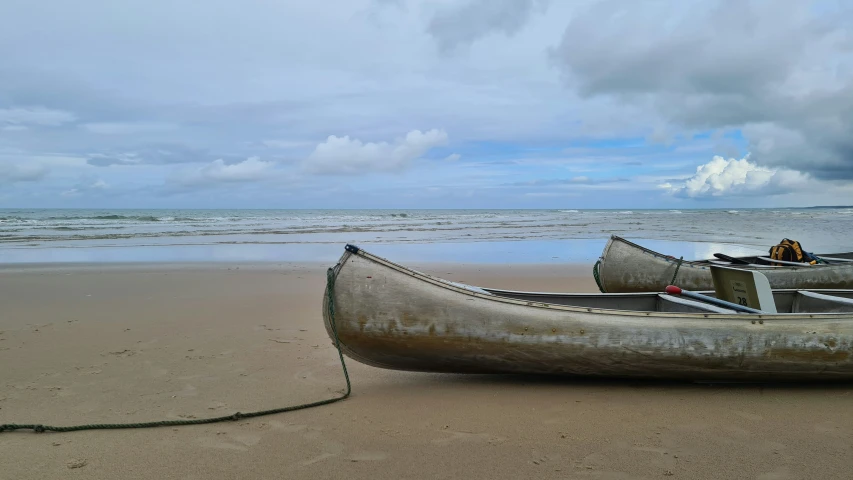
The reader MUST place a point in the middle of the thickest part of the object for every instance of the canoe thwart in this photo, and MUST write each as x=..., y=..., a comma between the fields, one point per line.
x=673, y=290
x=671, y=303
x=785, y=262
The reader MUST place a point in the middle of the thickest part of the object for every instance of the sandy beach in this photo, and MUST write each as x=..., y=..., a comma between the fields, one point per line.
x=124, y=343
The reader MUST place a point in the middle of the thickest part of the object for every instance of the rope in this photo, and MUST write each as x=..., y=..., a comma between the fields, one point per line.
x=330, y=285
x=680, y=259
x=595, y=274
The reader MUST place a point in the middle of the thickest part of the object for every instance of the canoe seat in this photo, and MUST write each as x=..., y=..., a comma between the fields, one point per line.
x=811, y=302
x=748, y=288
x=669, y=303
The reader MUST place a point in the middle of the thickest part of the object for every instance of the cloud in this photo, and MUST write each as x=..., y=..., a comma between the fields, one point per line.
x=285, y=144
x=721, y=177
x=119, y=128
x=452, y=157
x=82, y=188
x=579, y=180
x=468, y=21
x=784, y=76
x=249, y=170
x=774, y=80
x=342, y=155
x=15, y=118
x=18, y=172
x=155, y=154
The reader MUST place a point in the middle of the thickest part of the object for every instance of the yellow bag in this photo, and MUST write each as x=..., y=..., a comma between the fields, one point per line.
x=789, y=251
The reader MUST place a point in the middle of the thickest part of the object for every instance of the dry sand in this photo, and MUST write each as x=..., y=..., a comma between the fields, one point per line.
x=123, y=344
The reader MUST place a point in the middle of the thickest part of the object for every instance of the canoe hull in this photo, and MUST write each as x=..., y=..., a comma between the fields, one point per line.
x=627, y=267
x=394, y=318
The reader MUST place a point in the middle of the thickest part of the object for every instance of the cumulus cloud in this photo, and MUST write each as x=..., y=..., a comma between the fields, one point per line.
x=19, y=117
x=468, y=21
x=343, y=155
x=732, y=177
x=21, y=172
x=249, y=170
x=784, y=76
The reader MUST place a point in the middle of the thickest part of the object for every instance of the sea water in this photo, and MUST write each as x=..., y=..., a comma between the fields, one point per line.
x=495, y=236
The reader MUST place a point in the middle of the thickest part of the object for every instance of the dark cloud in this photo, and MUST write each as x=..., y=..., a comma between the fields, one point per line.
x=469, y=21
x=12, y=173
x=176, y=95
x=781, y=74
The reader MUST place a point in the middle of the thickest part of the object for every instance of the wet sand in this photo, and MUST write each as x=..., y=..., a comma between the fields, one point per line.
x=120, y=343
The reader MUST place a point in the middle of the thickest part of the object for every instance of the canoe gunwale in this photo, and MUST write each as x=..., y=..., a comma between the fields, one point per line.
x=446, y=284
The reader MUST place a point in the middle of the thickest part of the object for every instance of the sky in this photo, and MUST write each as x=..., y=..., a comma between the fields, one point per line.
x=426, y=104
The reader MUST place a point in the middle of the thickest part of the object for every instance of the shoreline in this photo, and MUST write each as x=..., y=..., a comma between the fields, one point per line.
x=563, y=277
x=530, y=251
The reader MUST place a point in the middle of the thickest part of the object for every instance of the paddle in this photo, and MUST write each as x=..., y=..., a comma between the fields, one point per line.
x=673, y=290
x=723, y=256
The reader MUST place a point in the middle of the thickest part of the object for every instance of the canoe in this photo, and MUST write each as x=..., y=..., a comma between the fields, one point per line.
x=627, y=267
x=389, y=316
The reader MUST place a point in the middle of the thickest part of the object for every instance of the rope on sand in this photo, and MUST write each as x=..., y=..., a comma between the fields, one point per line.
x=595, y=275
x=330, y=285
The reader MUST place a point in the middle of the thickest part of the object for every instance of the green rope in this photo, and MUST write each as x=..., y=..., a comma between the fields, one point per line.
x=680, y=259
x=595, y=274
x=330, y=285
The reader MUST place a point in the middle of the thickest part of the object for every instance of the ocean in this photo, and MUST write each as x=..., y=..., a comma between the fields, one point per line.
x=490, y=236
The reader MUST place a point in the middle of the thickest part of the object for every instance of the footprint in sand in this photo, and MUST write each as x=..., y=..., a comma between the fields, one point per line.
x=318, y=458
x=467, y=437
x=830, y=428
x=332, y=449
x=770, y=447
x=748, y=416
x=187, y=391
x=660, y=451
x=287, y=427
x=120, y=353
x=308, y=376
x=217, y=406
x=240, y=442
x=779, y=474
x=734, y=429
x=368, y=457
x=308, y=432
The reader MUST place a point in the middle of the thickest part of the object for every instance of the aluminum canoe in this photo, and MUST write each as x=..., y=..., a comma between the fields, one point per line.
x=627, y=267
x=393, y=317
